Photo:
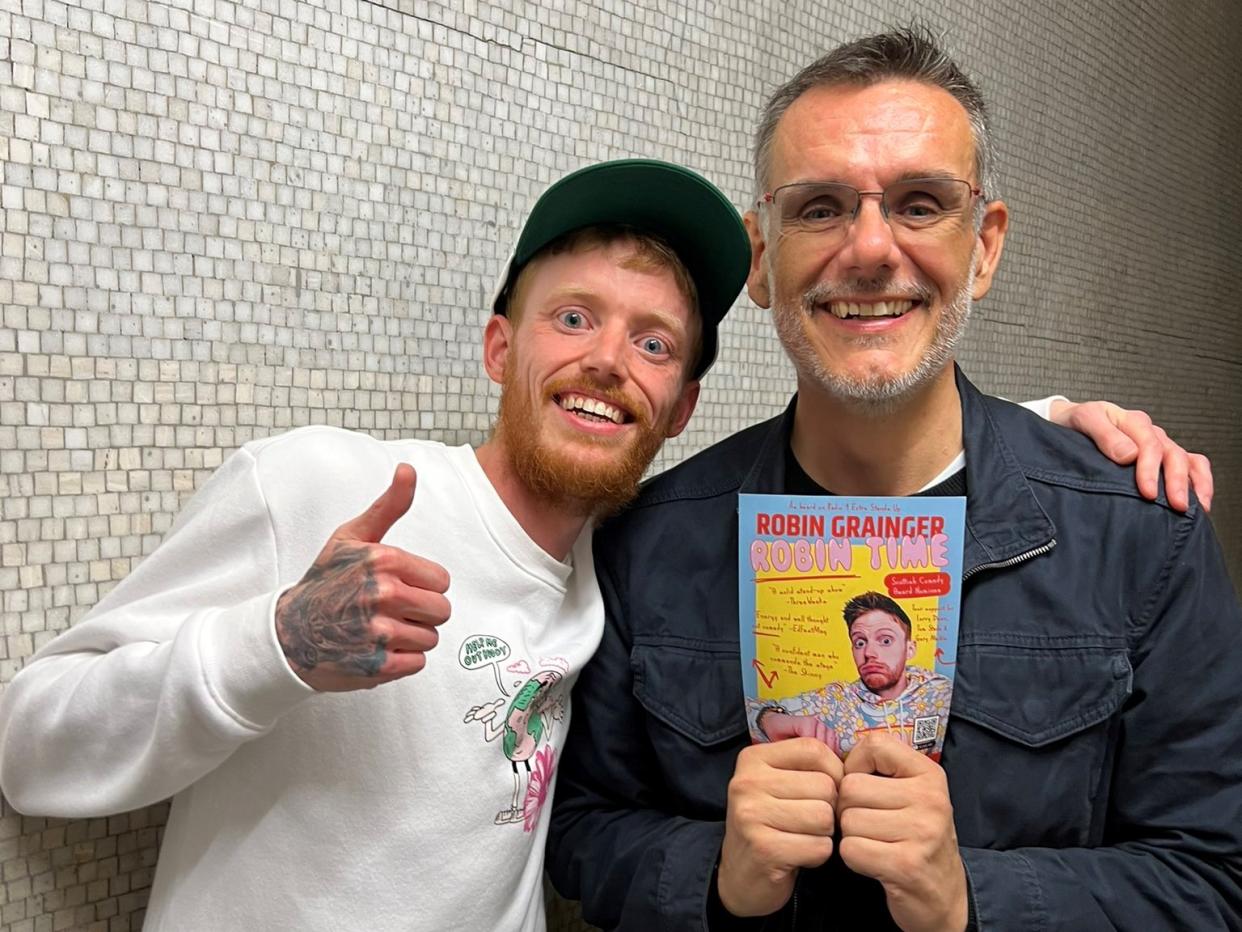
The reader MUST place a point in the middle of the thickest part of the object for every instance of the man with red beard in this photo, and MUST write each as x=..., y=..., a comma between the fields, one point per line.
x=205, y=675
x=1092, y=768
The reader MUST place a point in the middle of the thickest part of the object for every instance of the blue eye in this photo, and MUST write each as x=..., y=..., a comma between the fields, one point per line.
x=655, y=346
x=573, y=319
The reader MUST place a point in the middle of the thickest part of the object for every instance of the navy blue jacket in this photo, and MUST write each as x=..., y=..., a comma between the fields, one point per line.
x=1094, y=750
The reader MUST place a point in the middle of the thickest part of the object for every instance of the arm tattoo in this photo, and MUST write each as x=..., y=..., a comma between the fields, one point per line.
x=324, y=619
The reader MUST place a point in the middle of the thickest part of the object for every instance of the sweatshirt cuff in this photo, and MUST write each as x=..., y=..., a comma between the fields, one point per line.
x=244, y=666
x=1043, y=406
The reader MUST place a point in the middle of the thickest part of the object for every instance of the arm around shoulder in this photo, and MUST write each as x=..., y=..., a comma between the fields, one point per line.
x=1171, y=853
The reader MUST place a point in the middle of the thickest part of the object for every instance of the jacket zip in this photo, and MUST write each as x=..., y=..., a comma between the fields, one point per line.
x=1012, y=561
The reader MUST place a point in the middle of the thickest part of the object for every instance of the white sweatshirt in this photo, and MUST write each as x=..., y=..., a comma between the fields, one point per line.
x=409, y=806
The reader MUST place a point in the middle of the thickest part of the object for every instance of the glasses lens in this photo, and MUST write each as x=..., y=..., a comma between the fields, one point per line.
x=817, y=206
x=926, y=202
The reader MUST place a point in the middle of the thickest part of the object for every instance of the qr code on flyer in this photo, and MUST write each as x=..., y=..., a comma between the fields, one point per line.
x=925, y=731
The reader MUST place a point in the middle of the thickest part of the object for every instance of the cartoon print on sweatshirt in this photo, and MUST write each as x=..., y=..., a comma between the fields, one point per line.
x=523, y=721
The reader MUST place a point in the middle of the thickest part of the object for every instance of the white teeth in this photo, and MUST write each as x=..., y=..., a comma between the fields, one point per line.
x=844, y=309
x=592, y=406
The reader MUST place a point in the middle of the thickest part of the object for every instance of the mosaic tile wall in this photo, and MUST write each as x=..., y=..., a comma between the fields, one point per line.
x=223, y=219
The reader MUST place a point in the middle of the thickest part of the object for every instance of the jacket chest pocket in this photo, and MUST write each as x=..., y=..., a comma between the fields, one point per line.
x=1030, y=742
x=696, y=717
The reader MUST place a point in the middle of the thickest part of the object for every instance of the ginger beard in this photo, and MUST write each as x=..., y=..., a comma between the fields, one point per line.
x=878, y=392
x=572, y=474
x=881, y=648
x=879, y=676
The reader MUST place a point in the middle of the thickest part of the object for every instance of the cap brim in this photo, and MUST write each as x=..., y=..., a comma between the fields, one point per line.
x=672, y=202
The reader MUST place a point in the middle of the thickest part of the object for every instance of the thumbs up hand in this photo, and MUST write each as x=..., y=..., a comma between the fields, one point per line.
x=365, y=613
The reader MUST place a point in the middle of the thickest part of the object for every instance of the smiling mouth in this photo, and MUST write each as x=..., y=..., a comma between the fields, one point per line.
x=592, y=409
x=857, y=310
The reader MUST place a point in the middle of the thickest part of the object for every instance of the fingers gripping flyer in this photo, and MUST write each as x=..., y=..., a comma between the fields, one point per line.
x=848, y=610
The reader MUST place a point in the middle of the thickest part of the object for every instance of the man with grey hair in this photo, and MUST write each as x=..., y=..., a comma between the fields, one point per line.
x=1091, y=776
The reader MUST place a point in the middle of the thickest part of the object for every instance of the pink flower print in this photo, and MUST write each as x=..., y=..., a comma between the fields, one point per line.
x=539, y=785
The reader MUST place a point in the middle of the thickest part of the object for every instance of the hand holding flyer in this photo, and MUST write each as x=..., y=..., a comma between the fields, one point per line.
x=780, y=817
x=896, y=824
x=848, y=610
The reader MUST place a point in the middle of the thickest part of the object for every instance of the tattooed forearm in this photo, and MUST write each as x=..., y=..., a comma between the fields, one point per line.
x=325, y=618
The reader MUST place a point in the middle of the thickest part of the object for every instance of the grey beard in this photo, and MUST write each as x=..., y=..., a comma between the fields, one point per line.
x=876, y=395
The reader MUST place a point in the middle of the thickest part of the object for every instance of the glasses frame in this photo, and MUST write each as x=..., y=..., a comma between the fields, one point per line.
x=769, y=198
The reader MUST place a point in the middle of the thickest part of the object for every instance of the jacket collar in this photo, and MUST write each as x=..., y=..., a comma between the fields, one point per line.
x=1004, y=520
x=767, y=473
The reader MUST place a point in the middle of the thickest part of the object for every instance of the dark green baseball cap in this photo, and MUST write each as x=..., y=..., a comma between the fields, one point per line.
x=680, y=206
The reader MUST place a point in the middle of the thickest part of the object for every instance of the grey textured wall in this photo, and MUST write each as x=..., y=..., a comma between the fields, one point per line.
x=222, y=219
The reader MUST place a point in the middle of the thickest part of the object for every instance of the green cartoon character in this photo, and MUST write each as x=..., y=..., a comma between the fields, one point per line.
x=526, y=725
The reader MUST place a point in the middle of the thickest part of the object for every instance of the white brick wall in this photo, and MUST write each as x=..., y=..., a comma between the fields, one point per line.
x=223, y=219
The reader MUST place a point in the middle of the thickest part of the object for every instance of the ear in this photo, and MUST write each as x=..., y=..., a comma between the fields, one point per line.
x=497, y=339
x=988, y=246
x=685, y=407
x=757, y=277
x=911, y=648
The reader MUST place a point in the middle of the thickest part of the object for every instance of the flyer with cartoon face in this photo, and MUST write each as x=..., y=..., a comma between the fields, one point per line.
x=848, y=611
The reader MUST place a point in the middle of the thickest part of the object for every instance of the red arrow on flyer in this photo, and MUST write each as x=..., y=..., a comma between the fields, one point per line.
x=940, y=658
x=767, y=680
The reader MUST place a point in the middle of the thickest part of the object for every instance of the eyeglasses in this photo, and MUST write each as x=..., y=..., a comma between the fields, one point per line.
x=914, y=208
